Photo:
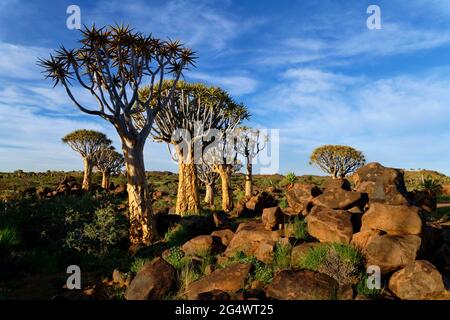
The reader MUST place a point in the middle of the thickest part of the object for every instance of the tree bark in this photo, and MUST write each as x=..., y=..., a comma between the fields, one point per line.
x=142, y=221
x=105, y=180
x=188, y=200
x=209, y=197
x=224, y=171
x=87, y=176
x=249, y=180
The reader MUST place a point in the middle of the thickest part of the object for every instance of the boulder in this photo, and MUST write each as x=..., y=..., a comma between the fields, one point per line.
x=417, y=281
x=230, y=280
x=302, y=285
x=201, y=245
x=392, y=219
x=300, y=251
x=214, y=295
x=339, y=199
x=425, y=200
x=225, y=236
x=381, y=184
x=340, y=183
x=272, y=217
x=390, y=252
x=328, y=225
x=256, y=204
x=249, y=237
x=154, y=281
x=362, y=238
x=299, y=197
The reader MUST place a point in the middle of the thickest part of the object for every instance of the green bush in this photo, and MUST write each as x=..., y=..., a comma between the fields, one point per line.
x=9, y=240
x=300, y=229
x=176, y=258
x=290, y=178
x=282, y=256
x=282, y=203
x=363, y=289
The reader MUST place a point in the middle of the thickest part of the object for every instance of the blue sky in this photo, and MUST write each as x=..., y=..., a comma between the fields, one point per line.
x=309, y=68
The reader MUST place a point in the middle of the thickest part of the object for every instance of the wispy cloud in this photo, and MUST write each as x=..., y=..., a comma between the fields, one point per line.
x=236, y=84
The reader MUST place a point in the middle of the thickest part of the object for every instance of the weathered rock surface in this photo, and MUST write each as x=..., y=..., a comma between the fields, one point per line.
x=154, y=281
x=225, y=236
x=341, y=183
x=338, y=199
x=328, y=225
x=362, y=238
x=392, y=219
x=230, y=280
x=392, y=252
x=201, y=244
x=417, y=281
x=272, y=217
x=302, y=285
x=299, y=197
x=381, y=184
x=300, y=251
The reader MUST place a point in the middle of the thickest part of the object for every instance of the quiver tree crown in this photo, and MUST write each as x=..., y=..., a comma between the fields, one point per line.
x=86, y=142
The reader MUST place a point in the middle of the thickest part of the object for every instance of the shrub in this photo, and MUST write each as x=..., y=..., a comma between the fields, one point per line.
x=430, y=185
x=339, y=261
x=290, y=178
x=364, y=290
x=282, y=256
x=176, y=258
x=137, y=264
x=9, y=239
x=263, y=273
x=177, y=235
x=300, y=229
x=283, y=204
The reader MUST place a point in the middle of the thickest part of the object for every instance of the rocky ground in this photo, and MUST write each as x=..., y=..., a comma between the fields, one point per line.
x=312, y=239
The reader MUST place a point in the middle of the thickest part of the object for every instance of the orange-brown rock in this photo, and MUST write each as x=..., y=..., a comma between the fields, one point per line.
x=362, y=238
x=225, y=236
x=328, y=225
x=200, y=245
x=338, y=199
x=299, y=197
x=300, y=251
x=272, y=217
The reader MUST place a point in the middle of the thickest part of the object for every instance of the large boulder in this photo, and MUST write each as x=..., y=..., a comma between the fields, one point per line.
x=230, y=279
x=224, y=235
x=381, y=184
x=256, y=204
x=154, y=281
x=302, y=285
x=272, y=217
x=248, y=239
x=339, y=199
x=299, y=197
x=392, y=219
x=390, y=252
x=362, y=238
x=201, y=245
x=417, y=281
x=339, y=183
x=425, y=200
x=328, y=225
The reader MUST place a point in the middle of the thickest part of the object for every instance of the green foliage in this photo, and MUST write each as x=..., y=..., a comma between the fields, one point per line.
x=9, y=239
x=430, y=185
x=86, y=142
x=176, y=258
x=177, y=235
x=262, y=272
x=103, y=231
x=282, y=203
x=336, y=160
x=290, y=178
x=300, y=229
x=282, y=256
x=340, y=261
x=364, y=290
x=137, y=264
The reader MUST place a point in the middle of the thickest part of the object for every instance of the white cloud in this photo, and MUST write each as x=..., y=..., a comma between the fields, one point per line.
x=236, y=84
x=20, y=61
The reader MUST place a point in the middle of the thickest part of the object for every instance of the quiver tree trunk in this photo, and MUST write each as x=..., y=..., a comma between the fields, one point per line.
x=106, y=175
x=209, y=197
x=249, y=180
x=87, y=176
x=142, y=222
x=188, y=200
x=225, y=171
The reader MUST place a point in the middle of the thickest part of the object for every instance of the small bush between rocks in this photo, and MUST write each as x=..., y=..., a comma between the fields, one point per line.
x=300, y=229
x=364, y=290
x=339, y=261
x=137, y=264
x=177, y=235
x=282, y=256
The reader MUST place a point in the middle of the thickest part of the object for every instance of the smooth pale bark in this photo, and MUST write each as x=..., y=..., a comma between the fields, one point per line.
x=209, y=197
x=105, y=180
x=142, y=221
x=225, y=171
x=87, y=176
x=188, y=200
x=249, y=180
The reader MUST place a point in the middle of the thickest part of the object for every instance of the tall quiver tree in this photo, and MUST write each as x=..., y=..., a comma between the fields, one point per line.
x=108, y=161
x=193, y=112
x=209, y=179
x=87, y=143
x=249, y=144
x=112, y=63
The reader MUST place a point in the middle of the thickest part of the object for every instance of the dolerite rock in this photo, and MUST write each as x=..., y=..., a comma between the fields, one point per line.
x=299, y=197
x=256, y=204
x=230, y=280
x=272, y=217
x=248, y=239
x=381, y=184
x=392, y=219
x=340, y=183
x=225, y=236
x=339, y=199
x=390, y=252
x=214, y=295
x=202, y=244
x=154, y=281
x=328, y=225
x=417, y=281
x=302, y=285
x=362, y=238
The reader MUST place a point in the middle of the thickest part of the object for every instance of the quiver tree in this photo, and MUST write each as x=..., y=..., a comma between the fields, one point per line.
x=87, y=143
x=249, y=144
x=209, y=177
x=108, y=161
x=338, y=161
x=194, y=114
x=111, y=64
